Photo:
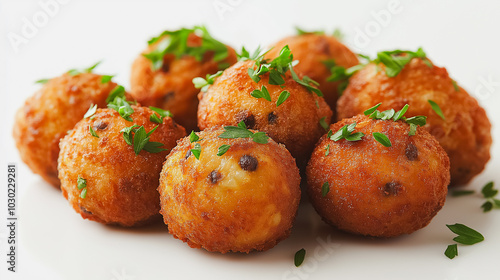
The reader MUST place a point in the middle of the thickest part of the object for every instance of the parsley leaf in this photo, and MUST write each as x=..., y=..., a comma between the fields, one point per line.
x=400, y=113
x=451, y=251
x=161, y=115
x=81, y=184
x=327, y=152
x=223, y=149
x=466, y=235
x=118, y=91
x=488, y=191
x=382, y=139
x=91, y=111
x=299, y=257
x=193, y=137
x=301, y=31
x=74, y=72
x=140, y=139
x=106, y=78
x=176, y=43
x=42, y=81
x=455, y=86
x=92, y=132
x=323, y=123
x=205, y=83
x=240, y=131
x=371, y=110
x=196, y=151
x=337, y=33
x=436, y=108
x=346, y=133
x=325, y=189
x=283, y=97
x=262, y=93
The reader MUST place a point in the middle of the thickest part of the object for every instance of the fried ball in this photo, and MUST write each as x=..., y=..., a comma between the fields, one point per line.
x=465, y=132
x=312, y=50
x=376, y=190
x=120, y=184
x=295, y=123
x=171, y=87
x=243, y=200
x=48, y=115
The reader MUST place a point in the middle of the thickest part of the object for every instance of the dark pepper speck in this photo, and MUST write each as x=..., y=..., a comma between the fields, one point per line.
x=392, y=188
x=247, y=118
x=214, y=177
x=272, y=118
x=188, y=154
x=99, y=125
x=411, y=152
x=248, y=163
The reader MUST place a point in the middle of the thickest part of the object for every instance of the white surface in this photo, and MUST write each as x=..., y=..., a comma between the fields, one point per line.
x=55, y=243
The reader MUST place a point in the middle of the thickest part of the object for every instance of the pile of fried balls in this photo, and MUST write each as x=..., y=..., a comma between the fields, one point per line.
x=217, y=142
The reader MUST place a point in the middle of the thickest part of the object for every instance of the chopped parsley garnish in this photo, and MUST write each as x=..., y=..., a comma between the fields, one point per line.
x=42, y=81
x=414, y=122
x=337, y=33
x=196, y=151
x=283, y=97
x=382, y=139
x=199, y=82
x=82, y=185
x=262, y=93
x=489, y=193
x=327, y=149
x=301, y=31
x=462, y=192
x=451, y=251
x=436, y=108
x=91, y=111
x=346, y=132
x=394, y=62
x=323, y=123
x=161, y=115
x=455, y=86
x=106, y=78
x=223, y=149
x=137, y=137
x=277, y=69
x=74, y=72
x=257, y=54
x=299, y=257
x=116, y=101
x=466, y=236
x=193, y=137
x=176, y=43
x=241, y=131
x=325, y=189
x=92, y=132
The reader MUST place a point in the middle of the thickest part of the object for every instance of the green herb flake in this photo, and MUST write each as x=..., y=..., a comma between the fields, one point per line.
x=436, y=108
x=400, y=113
x=301, y=31
x=466, y=235
x=205, y=83
x=193, y=137
x=455, y=85
x=196, y=151
x=327, y=152
x=223, y=149
x=487, y=206
x=240, y=131
x=262, y=93
x=325, y=189
x=91, y=111
x=382, y=139
x=488, y=191
x=371, y=110
x=42, y=81
x=137, y=137
x=451, y=251
x=458, y=193
x=92, y=132
x=283, y=97
x=106, y=78
x=346, y=132
x=74, y=72
x=323, y=123
x=299, y=257
x=81, y=184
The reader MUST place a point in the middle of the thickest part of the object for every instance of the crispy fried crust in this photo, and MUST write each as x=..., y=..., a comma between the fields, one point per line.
x=311, y=50
x=376, y=190
x=241, y=201
x=48, y=115
x=121, y=186
x=295, y=123
x=465, y=134
x=171, y=87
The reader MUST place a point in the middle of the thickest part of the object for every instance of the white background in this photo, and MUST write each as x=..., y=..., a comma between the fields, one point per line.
x=55, y=243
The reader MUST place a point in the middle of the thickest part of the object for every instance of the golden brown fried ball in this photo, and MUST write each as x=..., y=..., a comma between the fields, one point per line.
x=312, y=50
x=465, y=132
x=171, y=87
x=121, y=186
x=295, y=123
x=377, y=190
x=48, y=115
x=241, y=201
